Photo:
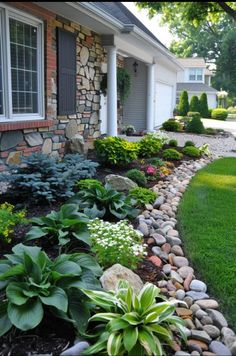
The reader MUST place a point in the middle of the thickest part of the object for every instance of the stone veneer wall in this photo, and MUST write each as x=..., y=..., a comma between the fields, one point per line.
x=49, y=135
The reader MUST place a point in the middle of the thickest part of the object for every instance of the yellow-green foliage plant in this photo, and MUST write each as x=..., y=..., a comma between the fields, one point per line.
x=131, y=324
x=8, y=220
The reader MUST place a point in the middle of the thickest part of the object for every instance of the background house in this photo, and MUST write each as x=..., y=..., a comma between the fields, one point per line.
x=196, y=79
x=53, y=57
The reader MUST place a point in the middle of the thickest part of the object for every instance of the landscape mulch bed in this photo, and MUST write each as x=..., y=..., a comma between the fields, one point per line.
x=53, y=336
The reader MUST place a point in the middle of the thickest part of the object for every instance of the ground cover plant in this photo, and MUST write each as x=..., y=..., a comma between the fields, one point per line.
x=207, y=218
x=32, y=282
x=44, y=178
x=8, y=220
x=137, y=176
x=142, y=196
x=109, y=238
x=171, y=154
x=191, y=151
x=133, y=324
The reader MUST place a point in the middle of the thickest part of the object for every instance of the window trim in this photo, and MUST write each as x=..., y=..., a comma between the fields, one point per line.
x=7, y=12
x=195, y=74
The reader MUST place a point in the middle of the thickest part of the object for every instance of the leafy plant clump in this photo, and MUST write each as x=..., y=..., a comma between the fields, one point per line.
x=183, y=106
x=133, y=324
x=116, y=243
x=123, y=83
x=171, y=125
x=104, y=202
x=155, y=161
x=171, y=154
x=191, y=151
x=8, y=220
x=219, y=114
x=137, y=176
x=173, y=143
x=43, y=178
x=88, y=183
x=30, y=283
x=149, y=145
x=195, y=126
x=115, y=150
x=189, y=143
x=142, y=196
x=60, y=227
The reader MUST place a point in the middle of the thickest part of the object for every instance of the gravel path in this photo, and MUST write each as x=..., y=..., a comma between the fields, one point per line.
x=221, y=146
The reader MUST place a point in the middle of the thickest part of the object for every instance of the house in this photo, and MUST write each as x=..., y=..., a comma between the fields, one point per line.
x=196, y=79
x=53, y=56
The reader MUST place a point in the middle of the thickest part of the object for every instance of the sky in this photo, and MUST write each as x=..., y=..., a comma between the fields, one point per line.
x=161, y=32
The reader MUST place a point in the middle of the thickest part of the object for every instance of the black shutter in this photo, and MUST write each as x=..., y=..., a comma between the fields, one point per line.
x=66, y=72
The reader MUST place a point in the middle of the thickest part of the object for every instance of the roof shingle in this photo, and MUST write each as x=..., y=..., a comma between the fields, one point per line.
x=195, y=87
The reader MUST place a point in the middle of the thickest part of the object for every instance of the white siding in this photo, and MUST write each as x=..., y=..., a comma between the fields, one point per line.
x=134, y=112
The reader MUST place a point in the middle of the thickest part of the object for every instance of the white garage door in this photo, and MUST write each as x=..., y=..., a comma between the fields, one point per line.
x=163, y=103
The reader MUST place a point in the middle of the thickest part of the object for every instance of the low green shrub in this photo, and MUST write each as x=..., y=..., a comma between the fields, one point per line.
x=195, y=126
x=171, y=125
x=149, y=145
x=116, y=243
x=210, y=131
x=8, y=220
x=155, y=161
x=88, y=183
x=104, y=202
x=59, y=227
x=219, y=114
x=31, y=283
x=116, y=150
x=137, y=176
x=171, y=154
x=142, y=196
x=191, y=151
x=194, y=114
x=189, y=143
x=173, y=143
x=131, y=324
x=43, y=178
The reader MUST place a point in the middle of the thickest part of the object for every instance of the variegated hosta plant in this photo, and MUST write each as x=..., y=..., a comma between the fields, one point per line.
x=133, y=324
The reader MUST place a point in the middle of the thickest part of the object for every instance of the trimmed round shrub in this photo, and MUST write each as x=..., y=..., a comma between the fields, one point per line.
x=171, y=125
x=195, y=126
x=189, y=143
x=173, y=143
x=219, y=114
x=183, y=106
x=203, y=105
x=137, y=176
x=142, y=196
x=191, y=151
x=194, y=104
x=210, y=131
x=149, y=145
x=194, y=114
x=172, y=154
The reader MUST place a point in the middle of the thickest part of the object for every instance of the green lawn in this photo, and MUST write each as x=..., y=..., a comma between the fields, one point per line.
x=207, y=223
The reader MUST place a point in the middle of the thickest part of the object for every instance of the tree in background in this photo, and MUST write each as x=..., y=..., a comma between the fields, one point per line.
x=194, y=104
x=204, y=111
x=183, y=106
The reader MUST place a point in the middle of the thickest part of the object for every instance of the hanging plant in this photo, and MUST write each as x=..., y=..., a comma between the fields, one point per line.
x=123, y=83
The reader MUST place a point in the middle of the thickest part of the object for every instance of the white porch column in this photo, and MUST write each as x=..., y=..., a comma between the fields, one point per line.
x=111, y=91
x=150, y=97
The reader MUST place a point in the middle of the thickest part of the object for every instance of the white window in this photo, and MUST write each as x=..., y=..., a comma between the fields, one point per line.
x=21, y=66
x=195, y=74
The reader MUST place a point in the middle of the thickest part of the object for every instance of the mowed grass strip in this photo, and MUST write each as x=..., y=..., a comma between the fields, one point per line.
x=207, y=223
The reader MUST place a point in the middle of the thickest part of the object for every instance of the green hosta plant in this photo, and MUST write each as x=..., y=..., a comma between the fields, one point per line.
x=104, y=202
x=61, y=226
x=204, y=150
x=30, y=283
x=133, y=324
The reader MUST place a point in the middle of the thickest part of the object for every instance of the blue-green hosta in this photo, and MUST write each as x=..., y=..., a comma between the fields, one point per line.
x=62, y=225
x=31, y=282
x=133, y=324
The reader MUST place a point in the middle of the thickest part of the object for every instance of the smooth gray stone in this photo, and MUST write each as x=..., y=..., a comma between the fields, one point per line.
x=219, y=349
x=198, y=286
x=201, y=335
x=76, y=350
x=197, y=295
x=217, y=317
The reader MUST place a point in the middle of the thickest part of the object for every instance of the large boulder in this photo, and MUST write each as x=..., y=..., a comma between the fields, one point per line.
x=119, y=183
x=112, y=275
x=75, y=145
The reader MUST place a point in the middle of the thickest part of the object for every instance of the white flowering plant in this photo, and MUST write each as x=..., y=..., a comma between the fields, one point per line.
x=116, y=243
x=162, y=136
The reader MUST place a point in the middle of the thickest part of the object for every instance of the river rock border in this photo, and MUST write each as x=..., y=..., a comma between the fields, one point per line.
x=206, y=328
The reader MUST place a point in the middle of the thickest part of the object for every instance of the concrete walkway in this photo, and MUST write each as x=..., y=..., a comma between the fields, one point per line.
x=228, y=125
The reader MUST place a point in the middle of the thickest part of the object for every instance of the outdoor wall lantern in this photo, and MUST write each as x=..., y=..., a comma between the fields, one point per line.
x=135, y=67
